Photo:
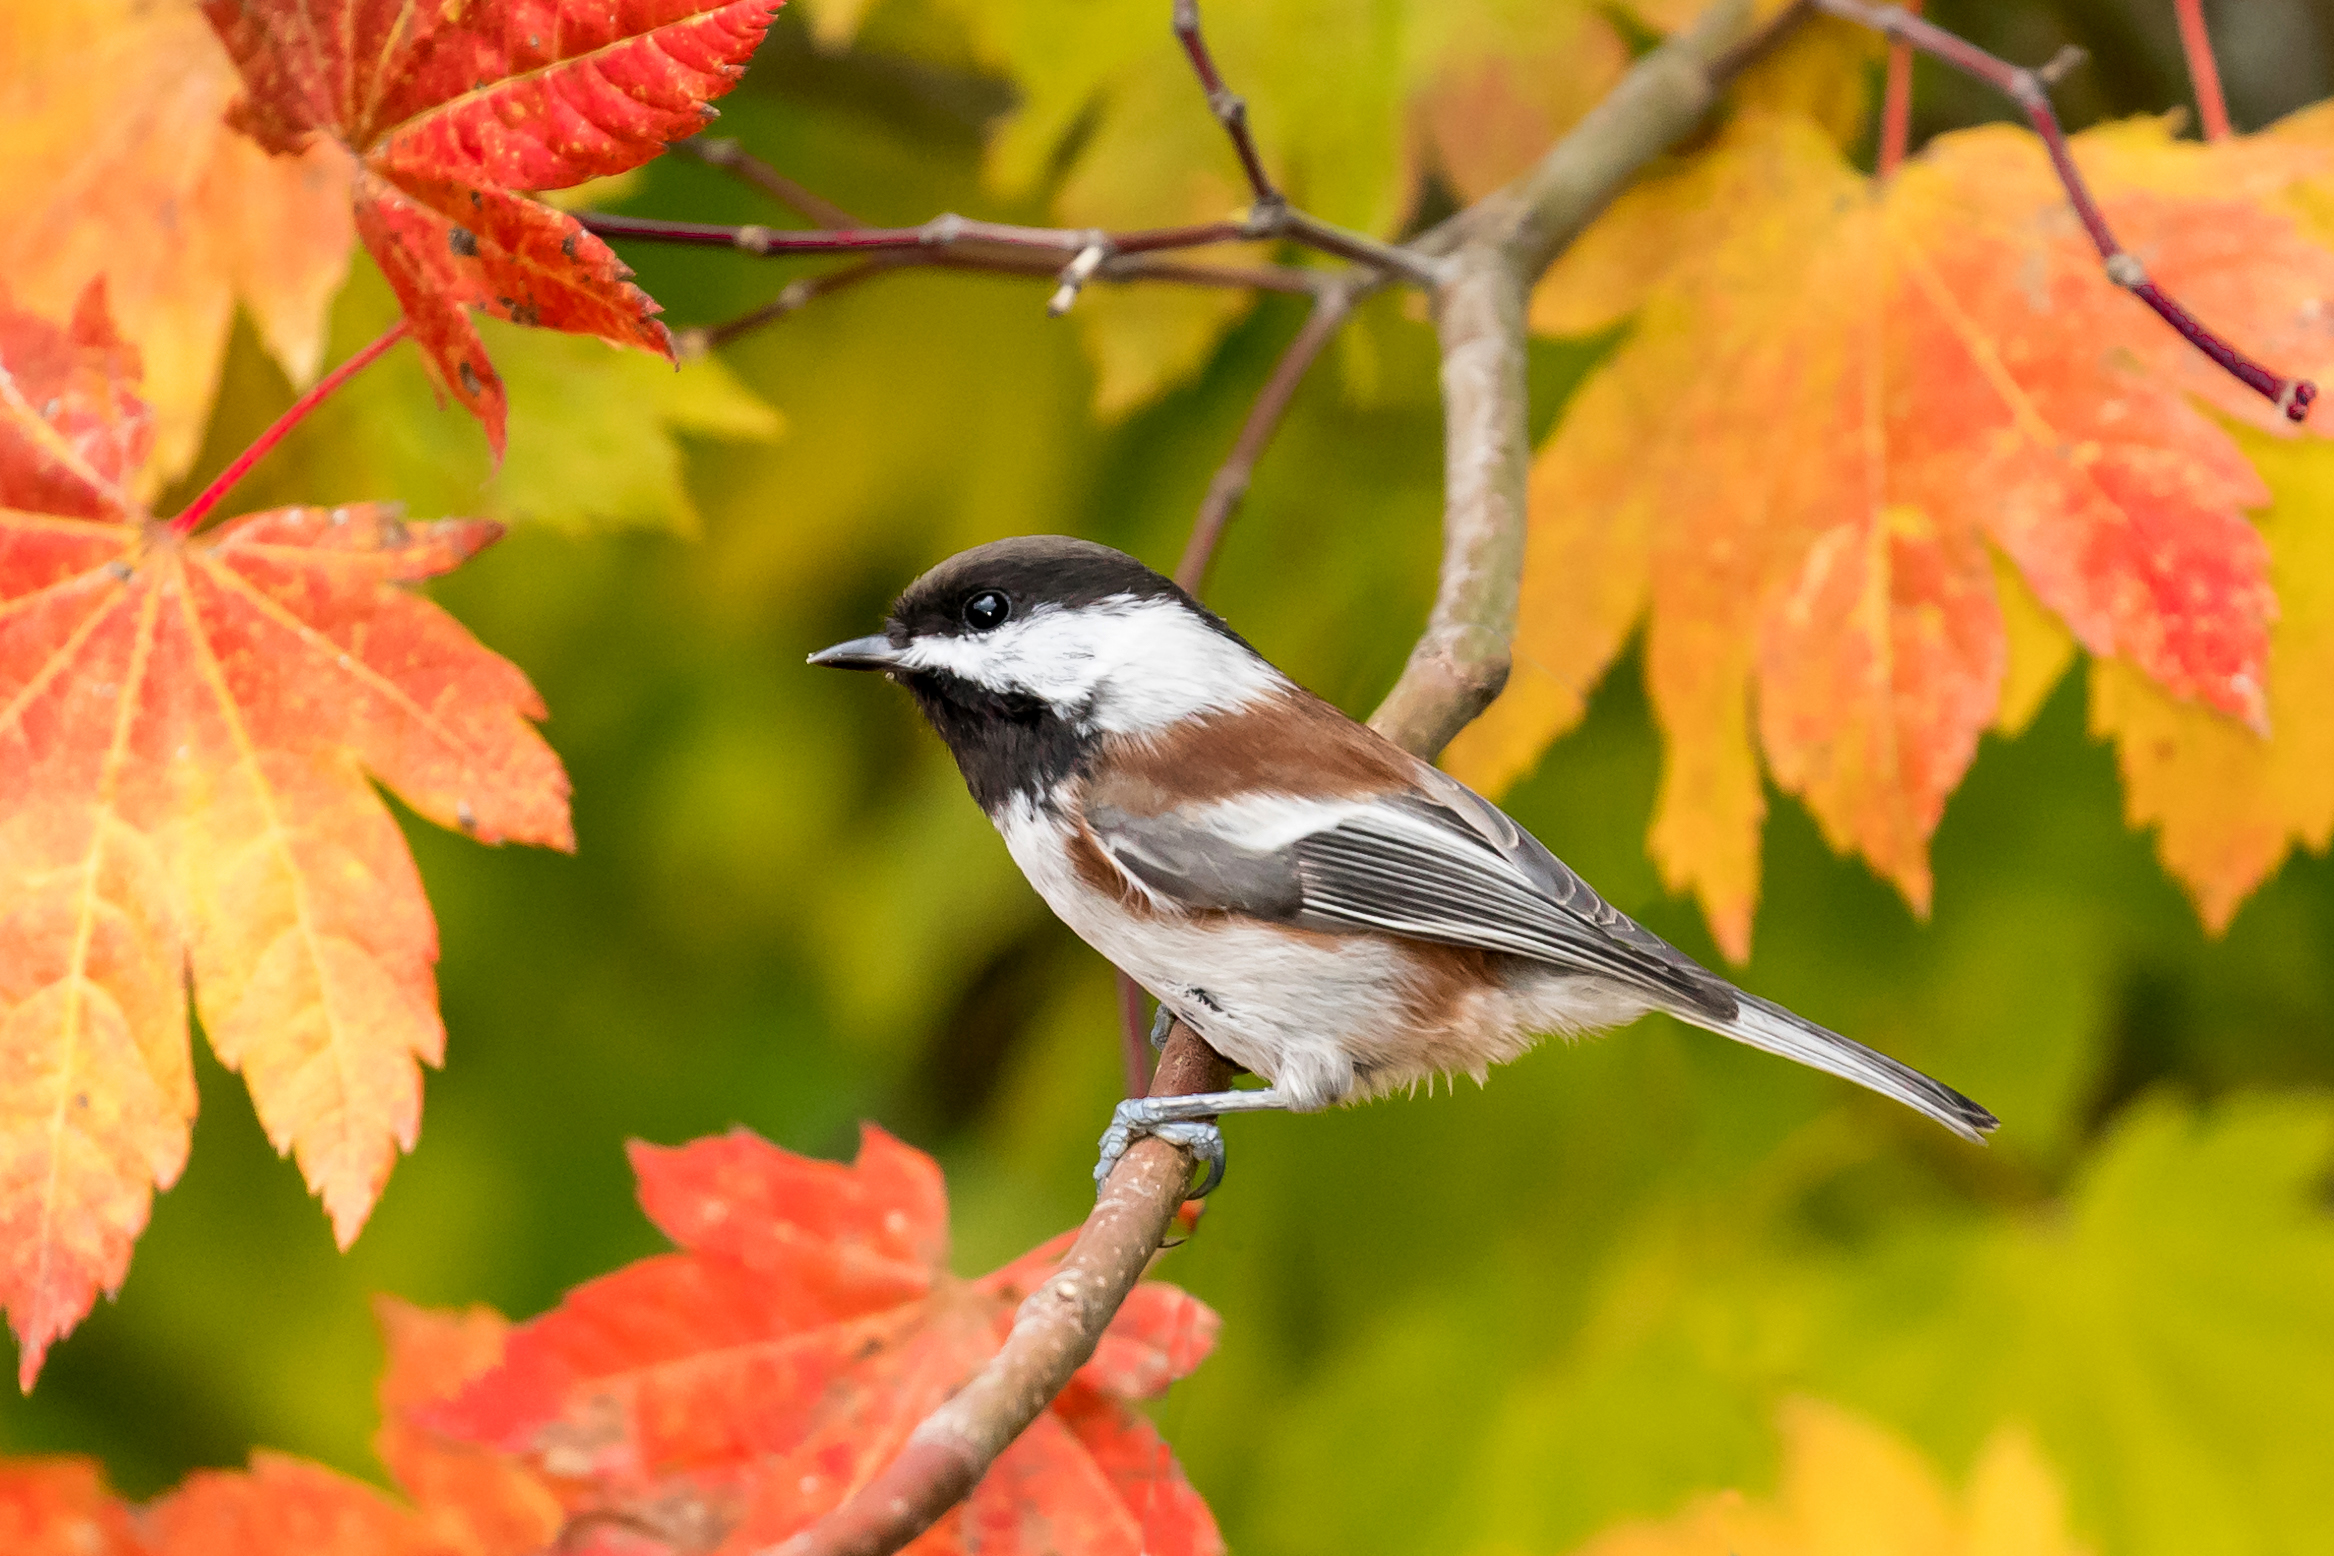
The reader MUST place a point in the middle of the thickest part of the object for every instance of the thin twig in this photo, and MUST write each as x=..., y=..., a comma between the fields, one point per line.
x=2030, y=91
x=945, y=231
x=1230, y=484
x=224, y=482
x=1445, y=684
x=2204, y=72
x=798, y=294
x=1230, y=109
x=720, y=152
x=1134, y=1038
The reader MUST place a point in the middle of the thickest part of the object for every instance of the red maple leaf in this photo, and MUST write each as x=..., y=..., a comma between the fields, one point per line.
x=446, y=111
x=187, y=724
x=729, y=1395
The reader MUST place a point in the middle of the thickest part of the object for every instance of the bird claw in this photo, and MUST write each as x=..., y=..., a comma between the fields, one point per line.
x=1133, y=1120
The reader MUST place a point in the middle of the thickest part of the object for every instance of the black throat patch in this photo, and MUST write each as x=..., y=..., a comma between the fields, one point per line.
x=1003, y=745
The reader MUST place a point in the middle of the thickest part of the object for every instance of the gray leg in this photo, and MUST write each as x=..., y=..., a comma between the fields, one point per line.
x=1160, y=1025
x=1185, y=1121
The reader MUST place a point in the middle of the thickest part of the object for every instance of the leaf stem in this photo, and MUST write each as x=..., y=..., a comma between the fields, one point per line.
x=1896, y=106
x=2204, y=73
x=2030, y=90
x=325, y=387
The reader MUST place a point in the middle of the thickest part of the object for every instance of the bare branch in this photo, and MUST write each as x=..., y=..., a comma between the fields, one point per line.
x=1458, y=665
x=797, y=296
x=2029, y=90
x=1230, y=109
x=721, y=152
x=1134, y=1040
x=1230, y=485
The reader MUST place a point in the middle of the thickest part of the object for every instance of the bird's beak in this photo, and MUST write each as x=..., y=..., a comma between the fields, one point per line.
x=875, y=653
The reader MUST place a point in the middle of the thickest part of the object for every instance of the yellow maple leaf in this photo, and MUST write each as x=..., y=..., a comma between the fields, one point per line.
x=120, y=164
x=1851, y=1488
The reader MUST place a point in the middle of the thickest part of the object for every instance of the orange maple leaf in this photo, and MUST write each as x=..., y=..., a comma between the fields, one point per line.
x=731, y=1394
x=1841, y=408
x=442, y=113
x=186, y=729
x=464, y=1501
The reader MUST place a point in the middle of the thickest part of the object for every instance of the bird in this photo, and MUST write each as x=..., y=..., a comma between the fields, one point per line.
x=1324, y=909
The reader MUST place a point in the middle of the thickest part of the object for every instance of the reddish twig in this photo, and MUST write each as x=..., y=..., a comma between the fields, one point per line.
x=1230, y=483
x=2029, y=89
x=941, y=232
x=727, y=155
x=1230, y=109
x=1134, y=1037
x=1896, y=105
x=2204, y=73
x=211, y=495
x=797, y=295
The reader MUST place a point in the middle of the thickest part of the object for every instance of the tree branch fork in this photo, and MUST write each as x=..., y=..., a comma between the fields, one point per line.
x=1478, y=269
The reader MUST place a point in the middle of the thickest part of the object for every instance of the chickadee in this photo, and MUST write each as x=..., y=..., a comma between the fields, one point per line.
x=1320, y=906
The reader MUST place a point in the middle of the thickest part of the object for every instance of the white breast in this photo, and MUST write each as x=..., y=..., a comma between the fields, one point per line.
x=1297, y=1010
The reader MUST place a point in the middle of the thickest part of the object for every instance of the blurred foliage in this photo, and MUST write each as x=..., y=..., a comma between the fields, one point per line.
x=1500, y=1320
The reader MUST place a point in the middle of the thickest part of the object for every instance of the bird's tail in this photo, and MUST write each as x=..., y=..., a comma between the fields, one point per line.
x=1768, y=1026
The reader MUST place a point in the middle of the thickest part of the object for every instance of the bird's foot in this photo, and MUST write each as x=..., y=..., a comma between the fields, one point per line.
x=1139, y=1117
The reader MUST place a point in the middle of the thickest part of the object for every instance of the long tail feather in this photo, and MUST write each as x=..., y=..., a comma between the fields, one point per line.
x=1765, y=1025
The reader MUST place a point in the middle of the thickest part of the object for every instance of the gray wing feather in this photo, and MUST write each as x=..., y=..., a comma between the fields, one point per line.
x=1196, y=867
x=1445, y=881
x=1456, y=874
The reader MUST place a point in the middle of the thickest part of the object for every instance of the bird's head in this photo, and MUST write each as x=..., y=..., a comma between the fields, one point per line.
x=1045, y=629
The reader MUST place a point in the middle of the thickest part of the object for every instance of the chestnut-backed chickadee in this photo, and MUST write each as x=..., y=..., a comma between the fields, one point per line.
x=1323, y=908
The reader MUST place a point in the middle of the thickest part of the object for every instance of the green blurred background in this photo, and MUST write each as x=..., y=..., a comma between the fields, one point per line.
x=1494, y=1320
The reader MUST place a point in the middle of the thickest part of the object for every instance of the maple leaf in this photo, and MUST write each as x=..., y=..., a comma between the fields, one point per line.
x=1850, y=1486
x=442, y=113
x=186, y=729
x=61, y=1507
x=1839, y=406
x=120, y=165
x=732, y=1393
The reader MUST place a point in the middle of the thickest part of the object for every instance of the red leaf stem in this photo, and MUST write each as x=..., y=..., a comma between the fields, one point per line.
x=2204, y=73
x=1896, y=106
x=325, y=388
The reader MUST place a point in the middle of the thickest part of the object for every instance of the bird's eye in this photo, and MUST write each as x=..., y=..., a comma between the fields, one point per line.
x=987, y=609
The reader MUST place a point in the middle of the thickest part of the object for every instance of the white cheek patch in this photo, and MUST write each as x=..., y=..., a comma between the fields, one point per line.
x=1120, y=666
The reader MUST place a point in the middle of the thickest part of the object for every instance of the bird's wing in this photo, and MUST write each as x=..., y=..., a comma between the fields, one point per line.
x=1434, y=862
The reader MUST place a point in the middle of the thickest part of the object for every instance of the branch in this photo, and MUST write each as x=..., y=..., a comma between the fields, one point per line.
x=1330, y=311
x=1134, y=1041
x=2030, y=91
x=1489, y=255
x=1230, y=109
x=727, y=155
